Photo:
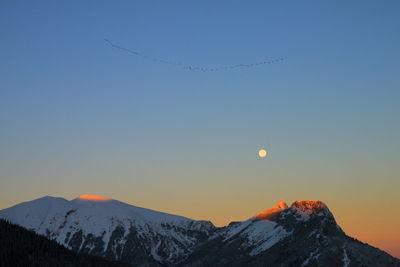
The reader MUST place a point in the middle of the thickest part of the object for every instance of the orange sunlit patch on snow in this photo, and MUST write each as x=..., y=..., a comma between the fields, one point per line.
x=93, y=198
x=271, y=213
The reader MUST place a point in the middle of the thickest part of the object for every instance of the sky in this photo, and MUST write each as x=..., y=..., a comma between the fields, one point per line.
x=78, y=116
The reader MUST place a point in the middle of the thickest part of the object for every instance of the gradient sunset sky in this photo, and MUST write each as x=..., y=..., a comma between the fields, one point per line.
x=80, y=117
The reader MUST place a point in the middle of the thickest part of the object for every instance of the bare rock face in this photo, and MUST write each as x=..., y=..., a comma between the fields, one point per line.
x=304, y=234
x=309, y=207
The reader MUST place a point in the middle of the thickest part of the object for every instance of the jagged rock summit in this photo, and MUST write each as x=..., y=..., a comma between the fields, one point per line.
x=304, y=234
x=304, y=208
x=309, y=207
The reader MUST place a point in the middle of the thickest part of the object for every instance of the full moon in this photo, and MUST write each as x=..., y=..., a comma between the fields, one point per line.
x=262, y=153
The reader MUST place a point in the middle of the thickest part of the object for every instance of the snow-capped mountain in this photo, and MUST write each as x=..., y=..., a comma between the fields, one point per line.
x=304, y=234
x=111, y=229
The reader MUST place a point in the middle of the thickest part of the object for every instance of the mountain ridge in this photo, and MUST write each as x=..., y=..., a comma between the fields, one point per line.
x=119, y=231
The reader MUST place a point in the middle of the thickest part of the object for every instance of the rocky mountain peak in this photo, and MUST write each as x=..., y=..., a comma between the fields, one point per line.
x=309, y=208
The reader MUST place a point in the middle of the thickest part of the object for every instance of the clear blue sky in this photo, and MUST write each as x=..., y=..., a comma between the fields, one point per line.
x=78, y=116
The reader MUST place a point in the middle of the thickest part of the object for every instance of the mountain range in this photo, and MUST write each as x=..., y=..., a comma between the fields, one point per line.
x=302, y=234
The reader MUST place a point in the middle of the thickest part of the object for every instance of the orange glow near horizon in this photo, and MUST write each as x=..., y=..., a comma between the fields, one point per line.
x=93, y=198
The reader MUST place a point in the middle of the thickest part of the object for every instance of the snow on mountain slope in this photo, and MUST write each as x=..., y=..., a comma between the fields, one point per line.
x=304, y=234
x=110, y=228
x=259, y=232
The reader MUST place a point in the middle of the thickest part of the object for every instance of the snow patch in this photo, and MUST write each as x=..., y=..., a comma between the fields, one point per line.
x=346, y=260
x=313, y=256
x=259, y=234
x=154, y=252
x=263, y=235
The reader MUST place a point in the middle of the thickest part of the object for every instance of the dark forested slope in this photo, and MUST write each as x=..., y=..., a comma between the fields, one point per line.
x=20, y=247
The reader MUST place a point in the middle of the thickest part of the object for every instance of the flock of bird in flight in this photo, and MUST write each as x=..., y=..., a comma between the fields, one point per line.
x=192, y=67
